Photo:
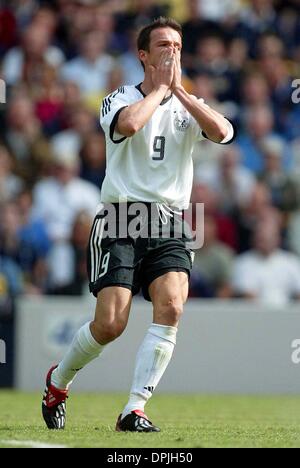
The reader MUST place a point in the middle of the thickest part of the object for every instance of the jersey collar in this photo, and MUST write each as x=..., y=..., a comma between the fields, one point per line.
x=164, y=101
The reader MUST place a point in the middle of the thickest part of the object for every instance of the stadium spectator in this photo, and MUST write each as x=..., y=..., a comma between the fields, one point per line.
x=58, y=199
x=281, y=185
x=280, y=81
x=75, y=20
x=93, y=163
x=204, y=87
x=293, y=232
x=10, y=184
x=49, y=101
x=25, y=11
x=46, y=17
x=206, y=154
x=79, y=241
x=255, y=90
x=93, y=68
x=194, y=29
x=75, y=261
x=259, y=124
x=33, y=232
x=25, y=241
x=212, y=268
x=72, y=101
x=25, y=139
x=226, y=226
x=8, y=32
x=138, y=14
x=293, y=226
x=177, y=9
x=295, y=151
x=230, y=180
x=82, y=122
x=128, y=62
x=267, y=274
x=219, y=12
x=259, y=208
x=11, y=283
x=104, y=20
x=269, y=45
x=244, y=53
x=256, y=18
x=211, y=57
x=238, y=52
x=23, y=63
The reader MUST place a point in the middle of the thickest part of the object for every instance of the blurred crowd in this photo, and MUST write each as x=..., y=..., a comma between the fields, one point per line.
x=60, y=58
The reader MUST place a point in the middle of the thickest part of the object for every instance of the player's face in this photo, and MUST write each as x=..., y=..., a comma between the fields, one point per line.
x=162, y=39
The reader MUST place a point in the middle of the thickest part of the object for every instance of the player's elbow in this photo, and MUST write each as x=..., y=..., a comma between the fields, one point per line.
x=128, y=128
x=130, y=131
x=221, y=133
x=218, y=134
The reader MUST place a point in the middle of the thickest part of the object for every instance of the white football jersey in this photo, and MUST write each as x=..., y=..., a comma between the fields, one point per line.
x=154, y=165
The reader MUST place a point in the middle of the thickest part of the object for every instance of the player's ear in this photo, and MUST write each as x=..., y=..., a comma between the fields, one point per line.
x=143, y=56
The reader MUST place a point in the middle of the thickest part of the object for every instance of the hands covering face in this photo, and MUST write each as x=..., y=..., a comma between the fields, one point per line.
x=176, y=83
x=168, y=71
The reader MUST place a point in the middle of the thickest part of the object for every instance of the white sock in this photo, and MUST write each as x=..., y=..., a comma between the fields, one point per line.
x=152, y=360
x=83, y=350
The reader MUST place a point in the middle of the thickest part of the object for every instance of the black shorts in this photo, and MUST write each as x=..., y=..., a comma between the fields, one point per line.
x=134, y=262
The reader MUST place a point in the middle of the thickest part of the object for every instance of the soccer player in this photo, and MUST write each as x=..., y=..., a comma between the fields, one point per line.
x=150, y=130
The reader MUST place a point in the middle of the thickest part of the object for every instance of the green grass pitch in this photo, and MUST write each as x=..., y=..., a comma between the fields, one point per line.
x=186, y=421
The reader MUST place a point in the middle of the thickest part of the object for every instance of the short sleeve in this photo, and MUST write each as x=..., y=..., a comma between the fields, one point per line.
x=111, y=108
x=230, y=137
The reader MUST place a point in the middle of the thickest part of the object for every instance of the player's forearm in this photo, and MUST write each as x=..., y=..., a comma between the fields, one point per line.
x=212, y=123
x=135, y=117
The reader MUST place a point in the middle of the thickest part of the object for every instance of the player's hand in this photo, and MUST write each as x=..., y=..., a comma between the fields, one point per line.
x=163, y=73
x=177, y=79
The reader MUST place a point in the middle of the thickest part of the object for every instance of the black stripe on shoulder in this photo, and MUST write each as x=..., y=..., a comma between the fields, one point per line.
x=115, y=93
x=106, y=106
x=107, y=101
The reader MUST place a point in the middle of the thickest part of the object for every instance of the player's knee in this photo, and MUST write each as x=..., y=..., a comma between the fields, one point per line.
x=174, y=311
x=171, y=312
x=107, y=332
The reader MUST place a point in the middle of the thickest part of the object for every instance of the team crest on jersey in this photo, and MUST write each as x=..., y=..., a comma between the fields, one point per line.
x=182, y=121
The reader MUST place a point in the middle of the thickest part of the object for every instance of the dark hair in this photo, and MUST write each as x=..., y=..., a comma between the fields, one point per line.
x=143, y=41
